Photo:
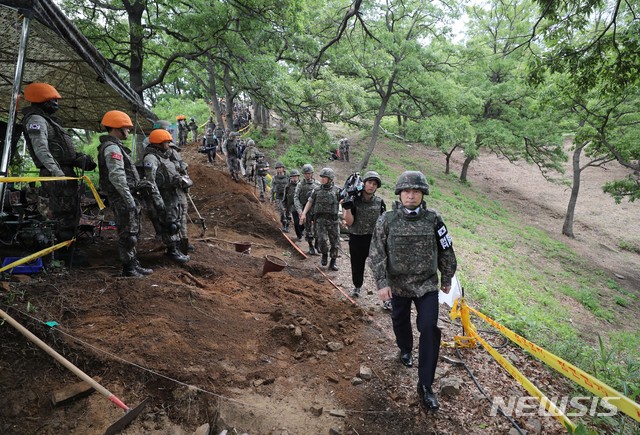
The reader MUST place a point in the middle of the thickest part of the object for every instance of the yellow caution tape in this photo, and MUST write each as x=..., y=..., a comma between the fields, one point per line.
x=526, y=383
x=616, y=398
x=244, y=128
x=32, y=179
x=461, y=310
x=35, y=255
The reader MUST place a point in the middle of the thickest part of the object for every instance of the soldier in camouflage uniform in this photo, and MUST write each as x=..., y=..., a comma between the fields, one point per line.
x=262, y=169
x=182, y=130
x=233, y=162
x=344, y=149
x=278, y=184
x=325, y=202
x=300, y=198
x=210, y=140
x=410, y=245
x=183, y=197
x=289, y=205
x=361, y=220
x=166, y=181
x=193, y=127
x=119, y=179
x=249, y=160
x=53, y=153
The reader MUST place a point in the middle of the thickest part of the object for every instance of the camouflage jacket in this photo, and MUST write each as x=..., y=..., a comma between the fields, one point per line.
x=118, y=175
x=365, y=215
x=407, y=252
x=289, y=193
x=278, y=185
x=303, y=192
x=50, y=146
x=325, y=200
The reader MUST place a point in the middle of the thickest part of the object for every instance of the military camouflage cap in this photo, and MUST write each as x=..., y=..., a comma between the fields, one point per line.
x=412, y=180
x=279, y=165
x=307, y=169
x=372, y=175
x=327, y=172
x=294, y=173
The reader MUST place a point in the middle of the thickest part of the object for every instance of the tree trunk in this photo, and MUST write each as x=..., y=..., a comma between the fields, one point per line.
x=376, y=124
x=374, y=137
x=229, y=97
x=213, y=92
x=567, y=227
x=135, y=11
x=465, y=168
x=448, y=159
x=266, y=119
x=257, y=113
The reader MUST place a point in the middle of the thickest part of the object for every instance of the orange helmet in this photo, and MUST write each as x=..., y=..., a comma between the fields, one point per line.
x=116, y=119
x=160, y=135
x=180, y=117
x=40, y=92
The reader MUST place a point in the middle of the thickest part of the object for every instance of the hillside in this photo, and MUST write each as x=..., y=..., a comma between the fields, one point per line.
x=214, y=342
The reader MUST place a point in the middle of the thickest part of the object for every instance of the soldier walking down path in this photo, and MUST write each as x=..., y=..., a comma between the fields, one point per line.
x=410, y=245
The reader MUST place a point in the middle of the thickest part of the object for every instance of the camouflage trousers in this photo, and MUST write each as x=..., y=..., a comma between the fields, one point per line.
x=184, y=200
x=284, y=216
x=128, y=224
x=310, y=228
x=171, y=221
x=328, y=236
x=261, y=182
x=233, y=163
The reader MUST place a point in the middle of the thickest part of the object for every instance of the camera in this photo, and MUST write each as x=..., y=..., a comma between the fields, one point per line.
x=352, y=189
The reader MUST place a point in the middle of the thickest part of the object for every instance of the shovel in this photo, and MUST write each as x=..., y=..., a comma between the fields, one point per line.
x=130, y=413
x=200, y=220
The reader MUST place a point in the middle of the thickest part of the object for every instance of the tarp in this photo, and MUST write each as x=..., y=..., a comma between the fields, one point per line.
x=58, y=54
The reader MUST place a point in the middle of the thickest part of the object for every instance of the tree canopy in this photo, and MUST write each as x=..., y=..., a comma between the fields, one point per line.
x=522, y=75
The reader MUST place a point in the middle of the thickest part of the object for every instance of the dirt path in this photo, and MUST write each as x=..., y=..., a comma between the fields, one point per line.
x=215, y=342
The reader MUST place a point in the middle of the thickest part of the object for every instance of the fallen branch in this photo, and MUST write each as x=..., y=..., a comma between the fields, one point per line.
x=213, y=239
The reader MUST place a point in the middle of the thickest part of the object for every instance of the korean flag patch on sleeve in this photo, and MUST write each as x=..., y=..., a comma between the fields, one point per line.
x=444, y=239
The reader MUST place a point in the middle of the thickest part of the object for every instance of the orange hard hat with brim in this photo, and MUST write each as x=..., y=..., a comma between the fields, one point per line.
x=40, y=92
x=159, y=136
x=116, y=119
x=180, y=117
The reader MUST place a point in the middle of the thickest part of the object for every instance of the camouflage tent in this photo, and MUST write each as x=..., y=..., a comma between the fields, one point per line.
x=57, y=53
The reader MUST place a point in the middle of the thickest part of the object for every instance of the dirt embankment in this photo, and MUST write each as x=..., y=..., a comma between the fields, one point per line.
x=215, y=342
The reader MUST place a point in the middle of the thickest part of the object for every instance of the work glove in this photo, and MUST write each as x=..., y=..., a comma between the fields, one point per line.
x=84, y=161
x=144, y=184
x=185, y=182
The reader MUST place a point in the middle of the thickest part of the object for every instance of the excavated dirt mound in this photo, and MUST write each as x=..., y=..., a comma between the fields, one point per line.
x=215, y=342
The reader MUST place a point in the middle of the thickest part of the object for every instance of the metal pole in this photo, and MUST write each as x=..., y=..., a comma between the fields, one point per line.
x=17, y=81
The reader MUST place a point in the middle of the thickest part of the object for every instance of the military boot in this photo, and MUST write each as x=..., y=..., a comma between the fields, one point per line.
x=141, y=270
x=312, y=250
x=332, y=264
x=325, y=257
x=285, y=228
x=129, y=270
x=174, y=253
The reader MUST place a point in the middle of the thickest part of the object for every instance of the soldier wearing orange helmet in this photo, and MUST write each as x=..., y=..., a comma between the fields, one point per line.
x=183, y=128
x=54, y=154
x=119, y=179
x=165, y=178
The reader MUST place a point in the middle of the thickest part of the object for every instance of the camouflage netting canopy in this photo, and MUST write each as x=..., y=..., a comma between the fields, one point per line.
x=58, y=54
